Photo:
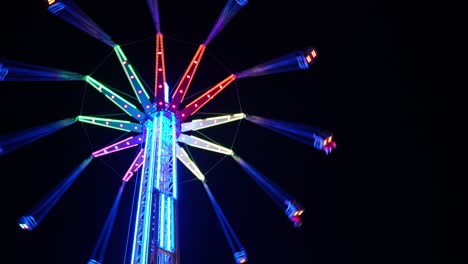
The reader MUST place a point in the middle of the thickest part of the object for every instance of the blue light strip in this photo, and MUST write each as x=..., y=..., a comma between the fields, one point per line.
x=135, y=233
x=149, y=198
x=157, y=167
x=174, y=159
x=134, y=80
x=140, y=196
x=160, y=137
x=168, y=229
x=172, y=226
x=161, y=219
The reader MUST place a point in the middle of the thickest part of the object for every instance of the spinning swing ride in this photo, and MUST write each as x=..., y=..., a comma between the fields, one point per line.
x=161, y=127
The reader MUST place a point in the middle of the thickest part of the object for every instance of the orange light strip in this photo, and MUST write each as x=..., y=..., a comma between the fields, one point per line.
x=160, y=73
x=184, y=83
x=198, y=103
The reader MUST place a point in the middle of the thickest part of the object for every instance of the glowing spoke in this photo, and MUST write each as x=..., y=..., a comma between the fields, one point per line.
x=198, y=103
x=198, y=124
x=160, y=74
x=185, y=159
x=121, y=145
x=111, y=123
x=184, y=83
x=136, y=164
x=126, y=106
x=134, y=80
x=203, y=144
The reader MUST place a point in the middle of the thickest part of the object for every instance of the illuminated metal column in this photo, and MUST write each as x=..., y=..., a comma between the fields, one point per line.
x=155, y=227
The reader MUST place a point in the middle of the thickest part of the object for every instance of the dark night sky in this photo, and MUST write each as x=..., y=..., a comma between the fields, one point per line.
x=367, y=202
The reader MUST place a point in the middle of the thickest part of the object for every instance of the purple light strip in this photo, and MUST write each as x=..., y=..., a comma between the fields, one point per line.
x=121, y=145
x=139, y=159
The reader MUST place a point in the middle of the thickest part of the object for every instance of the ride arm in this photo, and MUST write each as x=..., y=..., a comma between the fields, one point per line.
x=198, y=124
x=111, y=123
x=198, y=103
x=185, y=159
x=160, y=74
x=121, y=145
x=203, y=144
x=134, y=80
x=126, y=106
x=136, y=164
x=186, y=79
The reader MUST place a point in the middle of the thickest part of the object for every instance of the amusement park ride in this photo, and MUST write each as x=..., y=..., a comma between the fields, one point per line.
x=161, y=128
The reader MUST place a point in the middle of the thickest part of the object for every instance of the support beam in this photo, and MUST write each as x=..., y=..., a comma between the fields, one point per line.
x=198, y=124
x=185, y=159
x=198, y=103
x=155, y=228
x=121, y=145
x=203, y=144
x=136, y=164
x=126, y=106
x=111, y=123
x=186, y=79
x=160, y=74
x=134, y=80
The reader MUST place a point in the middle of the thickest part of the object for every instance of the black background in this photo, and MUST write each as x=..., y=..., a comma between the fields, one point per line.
x=367, y=202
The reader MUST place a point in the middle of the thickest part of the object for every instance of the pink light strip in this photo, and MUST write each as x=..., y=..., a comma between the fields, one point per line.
x=139, y=159
x=121, y=145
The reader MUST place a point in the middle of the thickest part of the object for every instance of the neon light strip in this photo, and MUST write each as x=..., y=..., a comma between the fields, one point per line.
x=140, y=85
x=148, y=204
x=120, y=53
x=160, y=73
x=126, y=106
x=121, y=145
x=198, y=124
x=166, y=93
x=137, y=220
x=198, y=103
x=184, y=158
x=174, y=160
x=111, y=123
x=169, y=224
x=134, y=80
x=136, y=164
x=203, y=144
x=160, y=134
x=161, y=220
x=184, y=84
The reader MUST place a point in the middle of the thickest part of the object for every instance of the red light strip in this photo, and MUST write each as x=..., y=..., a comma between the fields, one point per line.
x=198, y=103
x=160, y=72
x=184, y=83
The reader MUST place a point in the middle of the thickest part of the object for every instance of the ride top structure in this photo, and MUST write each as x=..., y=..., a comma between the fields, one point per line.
x=161, y=130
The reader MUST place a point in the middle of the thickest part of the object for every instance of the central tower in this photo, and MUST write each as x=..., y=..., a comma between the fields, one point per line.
x=155, y=236
x=155, y=233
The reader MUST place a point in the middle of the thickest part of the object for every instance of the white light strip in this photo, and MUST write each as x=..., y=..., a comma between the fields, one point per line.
x=198, y=124
x=203, y=144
